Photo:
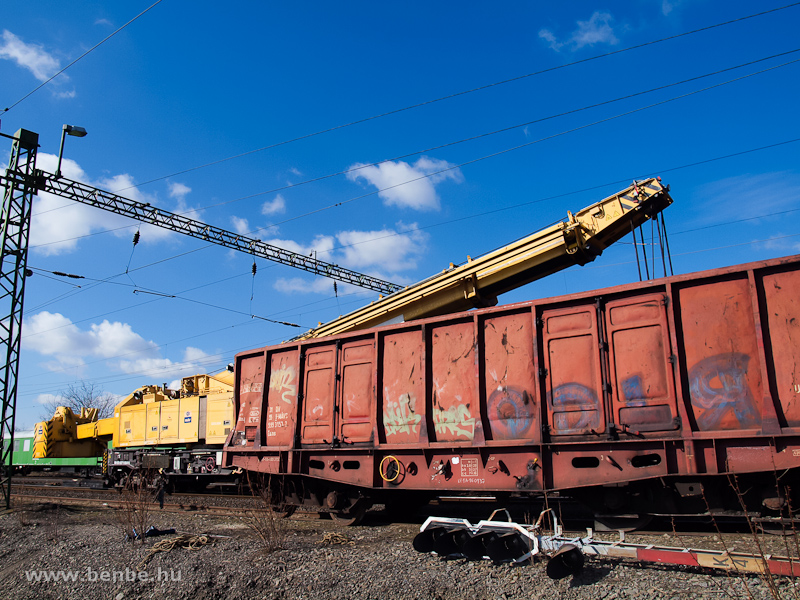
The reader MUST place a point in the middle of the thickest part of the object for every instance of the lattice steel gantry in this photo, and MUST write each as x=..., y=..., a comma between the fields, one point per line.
x=17, y=204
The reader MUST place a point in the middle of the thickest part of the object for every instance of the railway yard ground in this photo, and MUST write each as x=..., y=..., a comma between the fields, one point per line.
x=44, y=536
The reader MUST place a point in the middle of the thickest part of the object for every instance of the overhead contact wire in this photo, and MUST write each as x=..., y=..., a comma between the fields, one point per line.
x=463, y=93
x=439, y=147
x=105, y=39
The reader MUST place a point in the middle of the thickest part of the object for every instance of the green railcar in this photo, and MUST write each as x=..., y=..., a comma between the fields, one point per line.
x=23, y=461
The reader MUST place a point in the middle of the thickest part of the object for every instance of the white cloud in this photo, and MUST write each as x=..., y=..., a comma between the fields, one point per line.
x=240, y=225
x=62, y=337
x=277, y=205
x=549, y=37
x=320, y=247
x=32, y=57
x=112, y=339
x=385, y=248
x=192, y=354
x=58, y=223
x=784, y=243
x=746, y=196
x=54, y=335
x=159, y=368
x=318, y=285
x=405, y=185
x=597, y=30
x=271, y=207
x=667, y=6
x=372, y=252
x=49, y=398
x=103, y=22
x=179, y=190
x=295, y=171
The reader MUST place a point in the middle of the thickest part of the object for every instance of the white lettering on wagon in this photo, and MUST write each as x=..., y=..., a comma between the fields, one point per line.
x=469, y=467
x=252, y=387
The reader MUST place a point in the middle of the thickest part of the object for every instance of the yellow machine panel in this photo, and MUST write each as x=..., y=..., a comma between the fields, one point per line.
x=132, y=422
x=189, y=420
x=153, y=422
x=42, y=444
x=104, y=428
x=219, y=416
x=87, y=430
x=170, y=410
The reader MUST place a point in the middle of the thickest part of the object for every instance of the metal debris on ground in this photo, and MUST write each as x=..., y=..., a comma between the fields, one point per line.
x=509, y=542
x=184, y=540
x=333, y=538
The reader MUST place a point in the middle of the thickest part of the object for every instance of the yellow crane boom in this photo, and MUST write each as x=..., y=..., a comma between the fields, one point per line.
x=477, y=283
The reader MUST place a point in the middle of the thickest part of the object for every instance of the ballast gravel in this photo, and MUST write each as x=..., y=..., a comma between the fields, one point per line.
x=84, y=548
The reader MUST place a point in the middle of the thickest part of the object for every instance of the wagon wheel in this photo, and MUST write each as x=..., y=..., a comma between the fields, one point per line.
x=353, y=515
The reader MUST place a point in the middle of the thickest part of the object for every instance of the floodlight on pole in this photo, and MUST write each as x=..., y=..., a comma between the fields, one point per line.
x=65, y=131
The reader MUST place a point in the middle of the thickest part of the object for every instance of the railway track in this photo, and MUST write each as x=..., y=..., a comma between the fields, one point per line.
x=112, y=503
x=574, y=517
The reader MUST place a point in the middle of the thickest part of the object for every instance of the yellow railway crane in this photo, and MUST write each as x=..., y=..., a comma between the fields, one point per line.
x=181, y=431
x=577, y=240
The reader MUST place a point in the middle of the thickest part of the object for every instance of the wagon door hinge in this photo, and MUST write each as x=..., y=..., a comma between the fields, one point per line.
x=542, y=372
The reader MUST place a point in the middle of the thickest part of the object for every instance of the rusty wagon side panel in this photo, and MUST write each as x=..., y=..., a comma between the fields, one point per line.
x=683, y=376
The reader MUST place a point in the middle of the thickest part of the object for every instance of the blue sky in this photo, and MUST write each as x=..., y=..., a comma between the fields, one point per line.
x=188, y=84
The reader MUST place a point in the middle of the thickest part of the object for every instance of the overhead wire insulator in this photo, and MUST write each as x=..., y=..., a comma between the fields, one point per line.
x=254, y=269
x=70, y=275
x=136, y=237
